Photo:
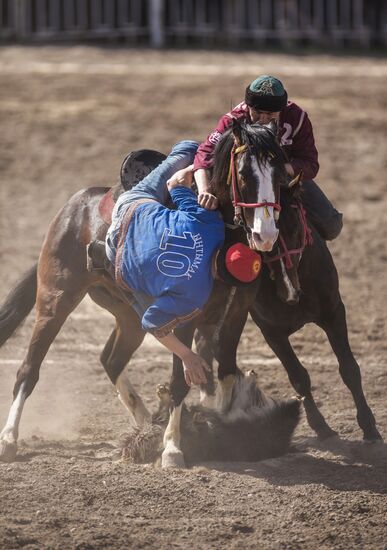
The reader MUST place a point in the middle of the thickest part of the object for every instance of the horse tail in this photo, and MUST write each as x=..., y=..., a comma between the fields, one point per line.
x=18, y=304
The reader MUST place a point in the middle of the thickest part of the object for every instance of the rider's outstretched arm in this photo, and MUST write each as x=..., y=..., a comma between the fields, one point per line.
x=194, y=366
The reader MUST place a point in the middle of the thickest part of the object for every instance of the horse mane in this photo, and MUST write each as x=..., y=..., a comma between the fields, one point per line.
x=258, y=138
x=289, y=195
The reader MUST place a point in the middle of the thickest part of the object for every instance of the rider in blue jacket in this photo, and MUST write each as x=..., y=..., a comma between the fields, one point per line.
x=166, y=257
x=168, y=254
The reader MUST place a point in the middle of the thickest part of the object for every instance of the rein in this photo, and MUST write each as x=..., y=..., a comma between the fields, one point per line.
x=307, y=239
x=233, y=181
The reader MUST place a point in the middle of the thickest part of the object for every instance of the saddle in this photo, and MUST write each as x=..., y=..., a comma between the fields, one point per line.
x=135, y=167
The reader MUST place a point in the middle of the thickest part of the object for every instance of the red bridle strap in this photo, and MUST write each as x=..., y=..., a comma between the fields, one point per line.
x=306, y=240
x=233, y=180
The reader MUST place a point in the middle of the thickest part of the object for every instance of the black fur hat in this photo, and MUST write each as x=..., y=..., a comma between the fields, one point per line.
x=266, y=93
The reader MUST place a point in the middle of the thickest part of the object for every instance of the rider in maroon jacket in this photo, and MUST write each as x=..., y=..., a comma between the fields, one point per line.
x=266, y=100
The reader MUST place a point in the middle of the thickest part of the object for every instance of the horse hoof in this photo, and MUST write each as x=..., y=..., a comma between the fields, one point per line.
x=373, y=438
x=7, y=451
x=327, y=433
x=172, y=459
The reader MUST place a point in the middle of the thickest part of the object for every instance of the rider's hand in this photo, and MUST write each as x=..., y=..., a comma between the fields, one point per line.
x=194, y=369
x=182, y=177
x=208, y=201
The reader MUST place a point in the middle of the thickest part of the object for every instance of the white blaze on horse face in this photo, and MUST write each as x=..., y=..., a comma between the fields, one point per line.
x=264, y=232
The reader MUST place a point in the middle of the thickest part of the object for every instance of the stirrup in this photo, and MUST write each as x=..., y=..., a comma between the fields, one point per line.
x=96, y=258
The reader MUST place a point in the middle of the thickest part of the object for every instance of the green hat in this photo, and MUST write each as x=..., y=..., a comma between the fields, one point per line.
x=266, y=93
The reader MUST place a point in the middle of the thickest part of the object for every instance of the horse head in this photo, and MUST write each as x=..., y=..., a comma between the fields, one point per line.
x=249, y=169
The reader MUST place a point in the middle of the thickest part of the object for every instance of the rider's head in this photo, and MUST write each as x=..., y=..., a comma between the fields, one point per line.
x=237, y=264
x=265, y=97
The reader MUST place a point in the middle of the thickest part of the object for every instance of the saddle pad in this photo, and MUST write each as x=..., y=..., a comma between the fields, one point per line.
x=105, y=207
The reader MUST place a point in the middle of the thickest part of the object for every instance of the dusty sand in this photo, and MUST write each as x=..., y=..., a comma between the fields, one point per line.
x=68, y=117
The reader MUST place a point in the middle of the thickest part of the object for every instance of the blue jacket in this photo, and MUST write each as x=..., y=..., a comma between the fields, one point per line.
x=167, y=254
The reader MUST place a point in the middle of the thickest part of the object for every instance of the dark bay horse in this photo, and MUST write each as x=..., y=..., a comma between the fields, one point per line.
x=298, y=285
x=245, y=154
x=59, y=282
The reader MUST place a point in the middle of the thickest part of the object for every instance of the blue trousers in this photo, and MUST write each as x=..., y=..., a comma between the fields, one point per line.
x=154, y=186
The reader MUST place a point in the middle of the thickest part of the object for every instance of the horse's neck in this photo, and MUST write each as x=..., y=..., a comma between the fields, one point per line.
x=293, y=215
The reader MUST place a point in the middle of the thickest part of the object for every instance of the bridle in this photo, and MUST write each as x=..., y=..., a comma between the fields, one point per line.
x=239, y=220
x=233, y=180
x=286, y=253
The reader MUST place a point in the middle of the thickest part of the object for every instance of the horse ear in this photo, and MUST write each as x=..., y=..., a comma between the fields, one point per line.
x=237, y=131
x=273, y=126
x=295, y=181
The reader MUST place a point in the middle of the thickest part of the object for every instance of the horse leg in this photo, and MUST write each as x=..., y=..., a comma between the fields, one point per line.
x=126, y=337
x=337, y=332
x=172, y=456
x=53, y=305
x=205, y=349
x=229, y=335
x=10, y=432
x=122, y=350
x=298, y=377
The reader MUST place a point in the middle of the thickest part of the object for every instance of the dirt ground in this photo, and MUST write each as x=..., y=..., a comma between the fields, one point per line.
x=68, y=117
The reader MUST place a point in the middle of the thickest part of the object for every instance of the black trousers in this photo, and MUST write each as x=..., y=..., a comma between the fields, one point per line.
x=320, y=211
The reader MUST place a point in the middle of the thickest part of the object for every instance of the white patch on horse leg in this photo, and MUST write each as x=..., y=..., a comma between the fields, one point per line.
x=131, y=399
x=224, y=393
x=172, y=456
x=10, y=432
x=207, y=401
x=292, y=294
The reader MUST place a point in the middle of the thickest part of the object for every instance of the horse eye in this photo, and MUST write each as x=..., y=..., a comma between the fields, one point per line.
x=244, y=171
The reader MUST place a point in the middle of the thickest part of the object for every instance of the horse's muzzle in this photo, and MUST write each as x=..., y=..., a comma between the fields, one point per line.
x=262, y=245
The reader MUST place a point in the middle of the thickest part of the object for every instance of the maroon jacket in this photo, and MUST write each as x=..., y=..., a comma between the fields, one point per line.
x=295, y=133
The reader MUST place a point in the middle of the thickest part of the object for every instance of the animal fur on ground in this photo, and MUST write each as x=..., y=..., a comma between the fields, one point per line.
x=255, y=427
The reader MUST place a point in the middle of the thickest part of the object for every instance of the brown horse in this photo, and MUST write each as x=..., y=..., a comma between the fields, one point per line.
x=61, y=280
x=57, y=284
x=298, y=284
